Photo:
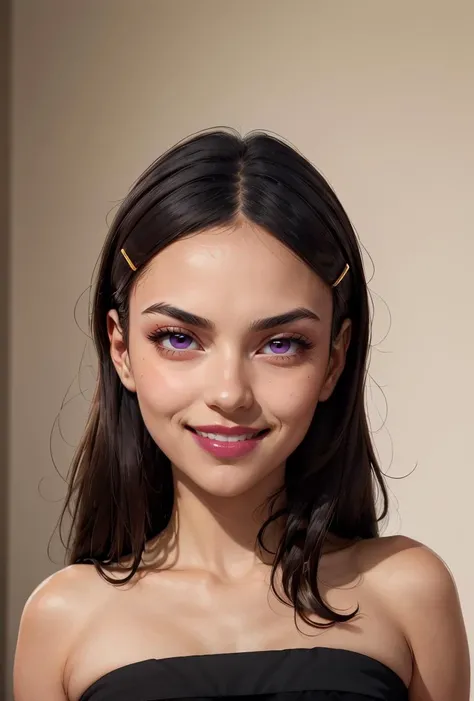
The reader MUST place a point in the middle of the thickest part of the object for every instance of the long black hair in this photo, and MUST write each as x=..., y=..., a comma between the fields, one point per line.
x=121, y=489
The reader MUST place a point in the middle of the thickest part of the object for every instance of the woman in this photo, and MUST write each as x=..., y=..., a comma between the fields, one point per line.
x=225, y=533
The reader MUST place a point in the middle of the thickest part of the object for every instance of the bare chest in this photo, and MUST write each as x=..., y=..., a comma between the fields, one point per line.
x=177, y=617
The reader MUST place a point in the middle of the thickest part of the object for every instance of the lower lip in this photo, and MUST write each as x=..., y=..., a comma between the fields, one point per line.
x=227, y=449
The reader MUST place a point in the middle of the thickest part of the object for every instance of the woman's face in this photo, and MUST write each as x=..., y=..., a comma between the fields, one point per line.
x=229, y=354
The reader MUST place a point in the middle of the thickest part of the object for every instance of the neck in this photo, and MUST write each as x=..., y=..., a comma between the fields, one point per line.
x=219, y=534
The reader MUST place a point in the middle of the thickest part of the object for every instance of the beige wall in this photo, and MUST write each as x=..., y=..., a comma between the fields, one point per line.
x=378, y=94
x=4, y=306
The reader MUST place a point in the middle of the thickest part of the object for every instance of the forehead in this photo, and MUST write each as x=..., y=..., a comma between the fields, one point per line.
x=240, y=268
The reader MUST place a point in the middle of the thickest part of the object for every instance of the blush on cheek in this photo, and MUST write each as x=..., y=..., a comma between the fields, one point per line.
x=166, y=396
x=163, y=393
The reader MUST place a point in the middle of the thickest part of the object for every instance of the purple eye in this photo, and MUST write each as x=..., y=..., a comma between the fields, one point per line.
x=281, y=346
x=178, y=341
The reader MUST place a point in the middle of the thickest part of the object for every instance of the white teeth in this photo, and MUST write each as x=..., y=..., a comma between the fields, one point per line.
x=226, y=439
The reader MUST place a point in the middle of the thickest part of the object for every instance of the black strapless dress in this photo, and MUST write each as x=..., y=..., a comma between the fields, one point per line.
x=317, y=674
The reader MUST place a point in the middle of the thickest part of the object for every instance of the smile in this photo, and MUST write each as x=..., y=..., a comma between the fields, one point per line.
x=228, y=439
x=228, y=443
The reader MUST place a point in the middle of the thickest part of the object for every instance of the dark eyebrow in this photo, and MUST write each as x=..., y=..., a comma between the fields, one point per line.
x=266, y=324
x=180, y=315
x=272, y=322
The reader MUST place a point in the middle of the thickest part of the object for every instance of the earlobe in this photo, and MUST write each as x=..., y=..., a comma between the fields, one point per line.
x=119, y=351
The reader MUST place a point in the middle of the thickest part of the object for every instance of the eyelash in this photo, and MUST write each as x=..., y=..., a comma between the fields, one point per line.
x=156, y=336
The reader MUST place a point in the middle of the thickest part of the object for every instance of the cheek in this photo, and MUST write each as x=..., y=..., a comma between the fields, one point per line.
x=161, y=390
x=293, y=399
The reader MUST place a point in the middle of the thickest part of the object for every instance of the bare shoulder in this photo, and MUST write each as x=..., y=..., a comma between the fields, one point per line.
x=67, y=594
x=407, y=573
x=400, y=560
x=419, y=591
x=52, y=618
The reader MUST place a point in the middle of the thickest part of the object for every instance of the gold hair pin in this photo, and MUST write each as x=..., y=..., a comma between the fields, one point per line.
x=342, y=275
x=124, y=253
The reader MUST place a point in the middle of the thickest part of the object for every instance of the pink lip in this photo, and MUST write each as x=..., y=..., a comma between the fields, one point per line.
x=227, y=430
x=227, y=450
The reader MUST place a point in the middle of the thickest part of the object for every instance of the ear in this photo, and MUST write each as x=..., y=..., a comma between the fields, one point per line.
x=119, y=351
x=337, y=361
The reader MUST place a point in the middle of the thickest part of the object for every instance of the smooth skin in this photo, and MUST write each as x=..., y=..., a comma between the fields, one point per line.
x=203, y=589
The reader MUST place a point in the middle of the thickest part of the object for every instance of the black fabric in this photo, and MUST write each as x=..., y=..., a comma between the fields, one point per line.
x=317, y=674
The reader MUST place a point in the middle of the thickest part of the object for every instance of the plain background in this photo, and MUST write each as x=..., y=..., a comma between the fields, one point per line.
x=378, y=94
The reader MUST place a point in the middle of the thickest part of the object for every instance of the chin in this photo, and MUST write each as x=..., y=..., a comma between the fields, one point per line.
x=226, y=491
x=231, y=480
x=225, y=481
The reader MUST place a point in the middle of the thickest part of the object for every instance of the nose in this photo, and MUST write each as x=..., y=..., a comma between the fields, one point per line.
x=228, y=386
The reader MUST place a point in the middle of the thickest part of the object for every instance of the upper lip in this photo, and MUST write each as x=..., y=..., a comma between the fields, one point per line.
x=228, y=430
